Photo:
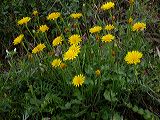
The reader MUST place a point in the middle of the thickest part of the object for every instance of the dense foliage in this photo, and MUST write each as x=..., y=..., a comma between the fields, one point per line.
x=98, y=64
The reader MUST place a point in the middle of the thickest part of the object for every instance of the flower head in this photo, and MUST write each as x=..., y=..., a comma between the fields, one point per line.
x=72, y=52
x=57, y=41
x=109, y=27
x=108, y=38
x=78, y=80
x=130, y=20
x=38, y=48
x=95, y=29
x=133, y=57
x=53, y=16
x=63, y=65
x=98, y=72
x=35, y=12
x=75, y=48
x=56, y=63
x=76, y=15
x=24, y=20
x=139, y=26
x=131, y=1
x=107, y=6
x=70, y=55
x=75, y=39
x=18, y=39
x=43, y=28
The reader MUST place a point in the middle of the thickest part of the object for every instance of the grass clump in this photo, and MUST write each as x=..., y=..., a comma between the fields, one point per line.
x=81, y=65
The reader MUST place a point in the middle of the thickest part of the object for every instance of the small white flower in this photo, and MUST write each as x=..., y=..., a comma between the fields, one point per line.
x=7, y=52
x=15, y=50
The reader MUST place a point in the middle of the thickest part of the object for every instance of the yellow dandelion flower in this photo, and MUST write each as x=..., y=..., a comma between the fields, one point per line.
x=57, y=41
x=139, y=26
x=133, y=57
x=35, y=12
x=109, y=27
x=70, y=55
x=18, y=39
x=38, y=48
x=107, y=6
x=76, y=15
x=75, y=48
x=130, y=20
x=78, y=80
x=131, y=1
x=56, y=63
x=108, y=38
x=35, y=50
x=63, y=65
x=75, y=39
x=95, y=29
x=24, y=20
x=43, y=28
x=98, y=72
x=53, y=16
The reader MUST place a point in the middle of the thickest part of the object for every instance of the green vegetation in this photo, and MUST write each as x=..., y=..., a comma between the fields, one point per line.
x=91, y=71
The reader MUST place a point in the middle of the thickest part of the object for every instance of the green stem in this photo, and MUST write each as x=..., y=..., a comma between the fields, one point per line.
x=79, y=66
x=79, y=30
x=62, y=20
x=33, y=94
x=99, y=89
x=25, y=47
x=110, y=14
x=48, y=41
x=58, y=27
x=30, y=32
x=61, y=31
x=38, y=20
x=136, y=73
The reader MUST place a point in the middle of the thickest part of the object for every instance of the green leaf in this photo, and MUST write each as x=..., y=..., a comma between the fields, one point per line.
x=105, y=67
x=89, y=70
x=141, y=111
x=78, y=94
x=81, y=113
x=110, y=96
x=116, y=116
x=129, y=105
x=135, y=108
x=147, y=114
x=93, y=115
x=105, y=115
x=89, y=81
x=68, y=105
